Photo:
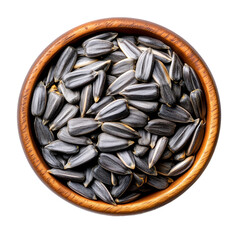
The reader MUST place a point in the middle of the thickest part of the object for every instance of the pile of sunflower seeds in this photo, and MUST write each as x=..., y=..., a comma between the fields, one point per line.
x=119, y=117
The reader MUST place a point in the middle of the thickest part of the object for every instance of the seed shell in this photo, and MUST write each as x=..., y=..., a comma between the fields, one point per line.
x=198, y=102
x=68, y=174
x=50, y=77
x=127, y=158
x=161, y=127
x=86, y=99
x=88, y=177
x=139, y=150
x=62, y=147
x=152, y=42
x=84, y=61
x=176, y=68
x=122, y=66
x=186, y=103
x=129, y=48
x=144, y=106
x=142, y=165
x=128, y=198
x=158, y=182
x=102, y=175
x=51, y=159
x=124, y=182
x=98, y=85
x=70, y=96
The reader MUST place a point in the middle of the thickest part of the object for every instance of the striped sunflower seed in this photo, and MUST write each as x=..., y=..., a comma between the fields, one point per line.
x=97, y=66
x=50, y=77
x=140, y=179
x=180, y=156
x=127, y=158
x=153, y=141
x=152, y=42
x=158, y=182
x=102, y=175
x=128, y=198
x=186, y=103
x=122, y=66
x=140, y=150
x=161, y=127
x=198, y=102
x=145, y=137
x=120, y=189
x=142, y=165
x=62, y=147
x=115, y=56
x=144, y=106
x=84, y=61
x=98, y=85
x=176, y=68
x=51, y=159
x=86, y=99
x=88, y=177
x=68, y=174
x=114, y=179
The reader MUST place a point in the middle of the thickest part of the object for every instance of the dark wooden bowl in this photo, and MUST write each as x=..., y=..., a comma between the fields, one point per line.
x=129, y=26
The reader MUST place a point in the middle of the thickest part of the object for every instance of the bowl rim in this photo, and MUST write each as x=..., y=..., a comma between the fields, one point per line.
x=125, y=25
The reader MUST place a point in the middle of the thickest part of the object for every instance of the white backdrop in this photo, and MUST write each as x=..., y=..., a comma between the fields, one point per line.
x=208, y=210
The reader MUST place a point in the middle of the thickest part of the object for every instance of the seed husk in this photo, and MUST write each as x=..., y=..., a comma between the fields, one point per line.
x=113, y=164
x=68, y=111
x=104, y=36
x=39, y=100
x=163, y=167
x=110, y=80
x=86, y=99
x=61, y=159
x=142, y=165
x=127, y=158
x=115, y=110
x=85, y=155
x=65, y=63
x=98, y=47
x=123, y=184
x=114, y=179
x=139, y=150
x=115, y=56
x=196, y=139
x=88, y=177
x=176, y=68
x=130, y=38
x=158, y=182
x=81, y=190
x=186, y=103
x=140, y=178
x=79, y=78
x=68, y=174
x=182, y=166
x=175, y=114
x=84, y=61
x=181, y=137
x=129, y=48
x=64, y=136
x=122, y=66
x=153, y=141
x=81, y=126
x=145, y=137
x=198, y=102
x=152, y=42
x=70, y=96
x=102, y=175
x=102, y=192
x=62, y=147
x=51, y=159
x=180, y=156
x=177, y=90
x=42, y=132
x=98, y=85
x=144, y=106
x=119, y=130
x=142, y=91
x=124, y=80
x=128, y=198
x=97, y=66
x=96, y=107
x=109, y=143
x=156, y=153
x=50, y=77
x=135, y=118
x=167, y=154
x=161, y=127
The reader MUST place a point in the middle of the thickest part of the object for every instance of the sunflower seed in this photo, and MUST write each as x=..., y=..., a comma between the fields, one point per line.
x=198, y=102
x=64, y=135
x=145, y=106
x=86, y=99
x=128, y=198
x=79, y=78
x=176, y=68
x=196, y=139
x=139, y=150
x=124, y=80
x=102, y=192
x=181, y=137
x=70, y=96
x=129, y=38
x=81, y=126
x=68, y=175
x=54, y=104
x=166, y=154
x=122, y=66
x=67, y=112
x=61, y=159
x=84, y=61
x=127, y=158
x=62, y=147
x=97, y=66
x=50, y=79
x=181, y=167
x=98, y=47
x=142, y=91
x=115, y=110
x=80, y=51
x=142, y=165
x=129, y=48
x=88, y=177
x=135, y=118
x=113, y=164
x=39, y=100
x=98, y=85
x=163, y=167
x=186, y=103
x=115, y=56
x=65, y=63
x=114, y=179
x=83, y=191
x=175, y=114
x=123, y=184
x=51, y=159
x=153, y=141
x=158, y=182
x=96, y=107
x=180, y=156
x=161, y=127
x=177, y=90
x=102, y=175
x=156, y=153
x=104, y=36
x=145, y=137
x=85, y=155
x=144, y=66
x=140, y=179
x=109, y=143
x=152, y=42
x=43, y=134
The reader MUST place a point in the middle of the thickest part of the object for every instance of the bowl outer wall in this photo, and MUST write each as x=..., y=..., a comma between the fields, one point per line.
x=135, y=27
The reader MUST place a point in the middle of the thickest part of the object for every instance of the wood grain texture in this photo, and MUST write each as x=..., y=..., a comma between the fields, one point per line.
x=137, y=27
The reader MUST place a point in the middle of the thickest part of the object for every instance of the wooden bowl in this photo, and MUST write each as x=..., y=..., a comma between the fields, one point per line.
x=128, y=26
